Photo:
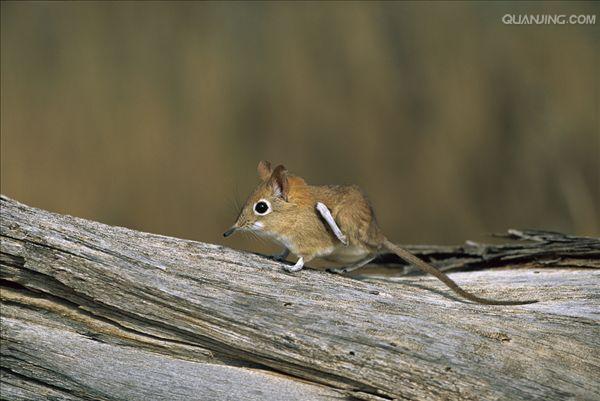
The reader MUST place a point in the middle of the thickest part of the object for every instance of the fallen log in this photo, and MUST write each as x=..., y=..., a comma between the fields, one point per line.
x=91, y=311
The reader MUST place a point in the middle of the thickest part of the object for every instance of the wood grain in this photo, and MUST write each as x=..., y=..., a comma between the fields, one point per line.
x=91, y=311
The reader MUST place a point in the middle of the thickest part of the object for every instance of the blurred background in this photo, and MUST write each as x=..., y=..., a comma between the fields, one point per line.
x=154, y=115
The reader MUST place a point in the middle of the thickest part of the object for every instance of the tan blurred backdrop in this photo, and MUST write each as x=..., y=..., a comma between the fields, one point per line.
x=154, y=115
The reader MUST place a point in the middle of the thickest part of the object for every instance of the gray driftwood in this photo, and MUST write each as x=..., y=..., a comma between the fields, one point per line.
x=91, y=311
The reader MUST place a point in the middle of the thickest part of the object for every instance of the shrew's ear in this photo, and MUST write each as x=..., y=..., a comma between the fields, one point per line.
x=264, y=170
x=279, y=182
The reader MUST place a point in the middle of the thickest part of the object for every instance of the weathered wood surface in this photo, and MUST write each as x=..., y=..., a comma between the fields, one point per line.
x=539, y=249
x=91, y=311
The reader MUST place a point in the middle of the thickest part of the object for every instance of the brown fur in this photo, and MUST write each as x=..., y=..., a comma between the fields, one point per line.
x=295, y=223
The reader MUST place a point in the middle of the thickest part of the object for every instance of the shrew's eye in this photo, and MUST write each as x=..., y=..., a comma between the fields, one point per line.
x=261, y=207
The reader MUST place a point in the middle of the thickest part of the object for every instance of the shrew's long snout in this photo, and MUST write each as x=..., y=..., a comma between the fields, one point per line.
x=229, y=232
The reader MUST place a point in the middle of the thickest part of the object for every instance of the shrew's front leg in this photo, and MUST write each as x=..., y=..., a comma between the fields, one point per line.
x=297, y=267
x=299, y=264
x=280, y=257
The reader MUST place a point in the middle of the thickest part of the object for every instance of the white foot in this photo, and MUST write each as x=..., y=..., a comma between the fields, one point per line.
x=329, y=219
x=298, y=266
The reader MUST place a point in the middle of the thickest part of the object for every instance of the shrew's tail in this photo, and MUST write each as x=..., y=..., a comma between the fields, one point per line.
x=426, y=267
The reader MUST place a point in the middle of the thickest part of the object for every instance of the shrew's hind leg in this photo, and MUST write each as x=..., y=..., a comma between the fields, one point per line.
x=326, y=214
x=353, y=266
